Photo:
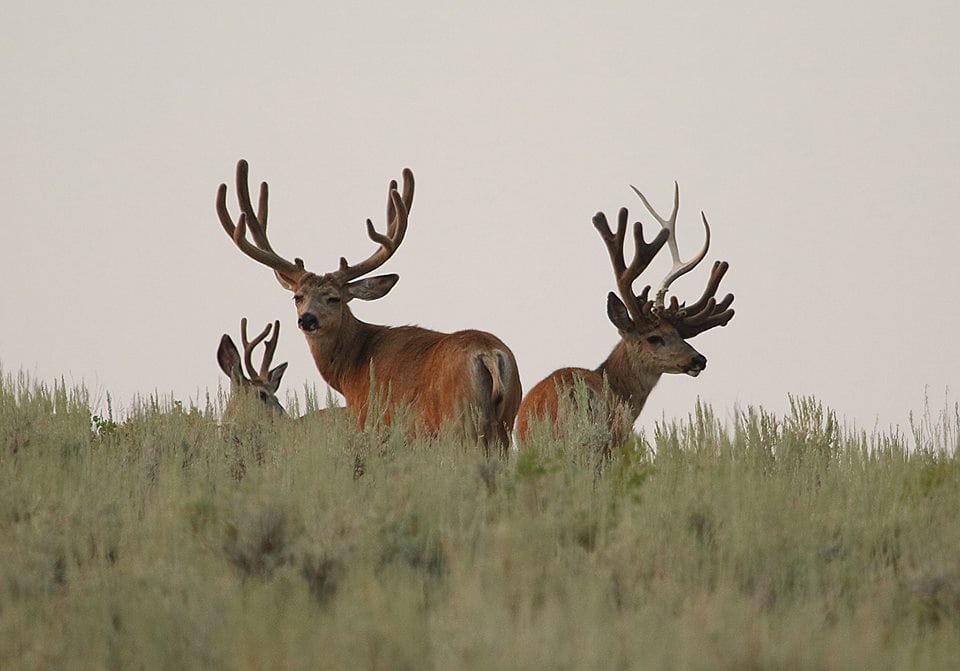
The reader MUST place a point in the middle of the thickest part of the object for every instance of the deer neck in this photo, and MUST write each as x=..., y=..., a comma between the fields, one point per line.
x=342, y=356
x=630, y=381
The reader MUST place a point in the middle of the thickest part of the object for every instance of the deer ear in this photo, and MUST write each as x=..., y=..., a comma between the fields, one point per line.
x=372, y=288
x=229, y=359
x=617, y=312
x=275, y=375
x=285, y=282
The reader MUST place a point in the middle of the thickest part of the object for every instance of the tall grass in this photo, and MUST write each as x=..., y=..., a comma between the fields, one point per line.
x=167, y=541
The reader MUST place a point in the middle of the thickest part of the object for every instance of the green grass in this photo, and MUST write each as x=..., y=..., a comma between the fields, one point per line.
x=165, y=541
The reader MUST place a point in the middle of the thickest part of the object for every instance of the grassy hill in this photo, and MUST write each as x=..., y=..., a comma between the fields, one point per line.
x=167, y=541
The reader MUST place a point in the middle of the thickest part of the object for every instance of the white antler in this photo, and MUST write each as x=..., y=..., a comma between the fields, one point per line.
x=679, y=267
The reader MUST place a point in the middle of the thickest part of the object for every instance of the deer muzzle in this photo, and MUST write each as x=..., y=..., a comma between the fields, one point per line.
x=697, y=364
x=308, y=322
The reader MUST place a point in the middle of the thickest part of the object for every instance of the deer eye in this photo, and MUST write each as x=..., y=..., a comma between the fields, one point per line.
x=655, y=340
x=263, y=396
x=333, y=300
x=298, y=299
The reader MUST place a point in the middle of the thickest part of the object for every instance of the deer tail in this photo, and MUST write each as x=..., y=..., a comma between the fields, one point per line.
x=493, y=363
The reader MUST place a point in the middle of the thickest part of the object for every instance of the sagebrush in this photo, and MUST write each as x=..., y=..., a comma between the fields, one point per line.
x=168, y=541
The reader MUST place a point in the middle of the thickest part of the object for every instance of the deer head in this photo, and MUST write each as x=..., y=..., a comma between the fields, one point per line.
x=655, y=332
x=321, y=300
x=263, y=382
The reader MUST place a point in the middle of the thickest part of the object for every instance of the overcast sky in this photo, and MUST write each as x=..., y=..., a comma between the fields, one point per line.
x=820, y=138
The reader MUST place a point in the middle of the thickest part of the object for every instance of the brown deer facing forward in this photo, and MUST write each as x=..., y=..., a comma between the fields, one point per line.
x=653, y=334
x=259, y=386
x=467, y=378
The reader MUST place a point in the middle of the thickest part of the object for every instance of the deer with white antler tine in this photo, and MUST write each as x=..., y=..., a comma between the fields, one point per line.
x=653, y=332
x=468, y=379
x=259, y=386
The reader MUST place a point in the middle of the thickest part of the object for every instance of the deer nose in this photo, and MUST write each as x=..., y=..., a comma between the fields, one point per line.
x=699, y=362
x=307, y=322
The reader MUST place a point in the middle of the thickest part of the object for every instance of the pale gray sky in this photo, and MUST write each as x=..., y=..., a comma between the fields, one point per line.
x=819, y=137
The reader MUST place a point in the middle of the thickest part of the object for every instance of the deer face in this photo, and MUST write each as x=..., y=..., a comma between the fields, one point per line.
x=662, y=350
x=654, y=347
x=321, y=300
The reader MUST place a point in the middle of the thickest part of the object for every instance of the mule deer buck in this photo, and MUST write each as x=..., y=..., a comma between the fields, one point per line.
x=653, y=333
x=467, y=378
x=260, y=384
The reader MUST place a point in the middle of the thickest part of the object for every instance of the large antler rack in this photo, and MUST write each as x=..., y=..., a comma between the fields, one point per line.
x=260, y=250
x=639, y=306
x=269, y=349
x=679, y=267
x=398, y=209
x=706, y=313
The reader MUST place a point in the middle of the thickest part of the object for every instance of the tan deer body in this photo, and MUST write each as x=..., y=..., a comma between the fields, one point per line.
x=441, y=377
x=467, y=378
x=652, y=334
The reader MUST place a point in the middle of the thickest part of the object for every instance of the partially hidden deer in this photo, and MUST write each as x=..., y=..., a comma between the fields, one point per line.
x=467, y=380
x=257, y=386
x=653, y=332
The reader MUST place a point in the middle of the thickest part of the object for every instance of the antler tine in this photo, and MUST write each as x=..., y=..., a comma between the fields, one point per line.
x=715, y=314
x=719, y=270
x=398, y=208
x=643, y=254
x=706, y=313
x=407, y=198
x=269, y=349
x=256, y=222
x=614, y=242
x=249, y=346
x=679, y=267
x=261, y=252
